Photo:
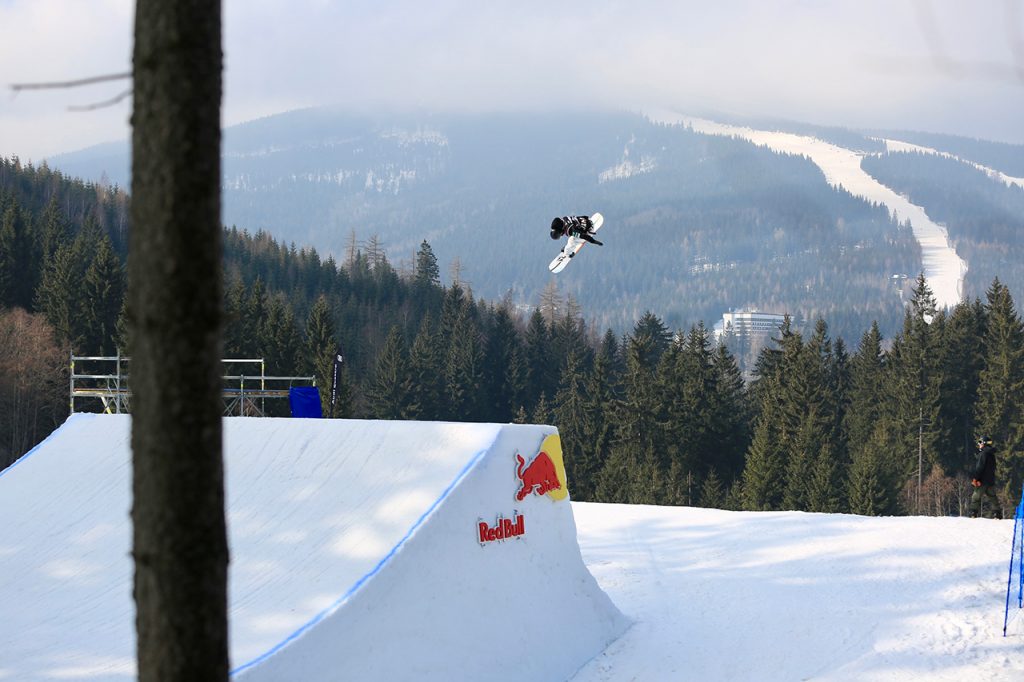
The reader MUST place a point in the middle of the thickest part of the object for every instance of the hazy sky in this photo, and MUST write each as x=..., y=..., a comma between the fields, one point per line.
x=944, y=66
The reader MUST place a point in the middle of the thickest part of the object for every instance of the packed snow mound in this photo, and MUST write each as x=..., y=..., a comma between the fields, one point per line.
x=720, y=596
x=359, y=549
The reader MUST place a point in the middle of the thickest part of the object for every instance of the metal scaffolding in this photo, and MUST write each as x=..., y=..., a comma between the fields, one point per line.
x=105, y=378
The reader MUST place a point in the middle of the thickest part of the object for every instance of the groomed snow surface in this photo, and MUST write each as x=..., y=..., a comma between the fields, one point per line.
x=357, y=554
x=786, y=596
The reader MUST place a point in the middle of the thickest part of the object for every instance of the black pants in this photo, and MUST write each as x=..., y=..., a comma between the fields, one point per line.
x=989, y=492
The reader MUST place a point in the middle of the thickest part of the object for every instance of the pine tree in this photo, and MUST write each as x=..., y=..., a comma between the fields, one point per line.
x=540, y=362
x=254, y=316
x=574, y=426
x=701, y=430
x=601, y=397
x=504, y=371
x=915, y=385
x=803, y=453
x=463, y=370
x=963, y=354
x=569, y=335
x=872, y=489
x=611, y=350
x=17, y=261
x=712, y=492
x=428, y=275
x=651, y=326
x=632, y=472
x=279, y=337
x=59, y=296
x=638, y=413
x=1001, y=392
x=389, y=393
x=867, y=377
x=54, y=230
x=320, y=347
x=234, y=312
x=425, y=362
x=812, y=399
x=426, y=286
x=827, y=490
x=103, y=294
x=452, y=309
x=542, y=412
x=731, y=413
x=763, y=475
x=614, y=480
x=649, y=482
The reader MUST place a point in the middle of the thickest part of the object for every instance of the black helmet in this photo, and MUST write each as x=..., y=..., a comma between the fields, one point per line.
x=984, y=440
x=556, y=228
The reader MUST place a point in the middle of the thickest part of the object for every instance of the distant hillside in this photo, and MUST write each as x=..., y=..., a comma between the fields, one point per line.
x=1001, y=156
x=694, y=225
x=985, y=218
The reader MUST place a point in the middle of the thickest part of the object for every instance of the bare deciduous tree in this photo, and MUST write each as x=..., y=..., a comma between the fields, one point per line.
x=33, y=388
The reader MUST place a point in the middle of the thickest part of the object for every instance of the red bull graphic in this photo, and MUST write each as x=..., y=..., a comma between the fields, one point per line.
x=545, y=475
x=503, y=529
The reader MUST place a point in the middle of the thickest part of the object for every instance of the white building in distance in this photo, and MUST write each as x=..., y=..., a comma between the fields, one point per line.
x=748, y=324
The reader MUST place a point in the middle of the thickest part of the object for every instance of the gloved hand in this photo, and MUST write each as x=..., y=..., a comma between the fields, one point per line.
x=976, y=483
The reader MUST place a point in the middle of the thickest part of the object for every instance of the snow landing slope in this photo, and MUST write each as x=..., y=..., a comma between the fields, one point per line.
x=359, y=549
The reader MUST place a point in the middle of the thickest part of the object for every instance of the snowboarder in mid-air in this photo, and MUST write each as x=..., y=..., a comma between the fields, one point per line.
x=579, y=230
x=983, y=478
x=574, y=226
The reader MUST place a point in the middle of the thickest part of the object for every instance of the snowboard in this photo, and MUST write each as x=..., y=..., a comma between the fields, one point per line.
x=573, y=246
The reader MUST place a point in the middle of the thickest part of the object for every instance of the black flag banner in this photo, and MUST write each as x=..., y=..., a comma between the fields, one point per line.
x=338, y=359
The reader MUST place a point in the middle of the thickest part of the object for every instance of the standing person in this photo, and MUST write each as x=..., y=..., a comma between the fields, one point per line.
x=573, y=226
x=983, y=478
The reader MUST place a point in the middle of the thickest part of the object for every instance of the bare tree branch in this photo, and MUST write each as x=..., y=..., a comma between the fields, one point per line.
x=99, y=105
x=92, y=80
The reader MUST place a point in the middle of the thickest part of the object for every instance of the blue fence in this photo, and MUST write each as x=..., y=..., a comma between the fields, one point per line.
x=1015, y=580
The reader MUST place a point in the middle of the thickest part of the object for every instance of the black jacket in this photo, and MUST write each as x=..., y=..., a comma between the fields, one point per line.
x=574, y=225
x=577, y=226
x=985, y=467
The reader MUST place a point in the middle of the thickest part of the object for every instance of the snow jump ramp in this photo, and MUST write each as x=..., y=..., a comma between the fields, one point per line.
x=360, y=550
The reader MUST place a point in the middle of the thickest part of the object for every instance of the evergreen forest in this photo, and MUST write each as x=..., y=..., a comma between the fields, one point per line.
x=652, y=415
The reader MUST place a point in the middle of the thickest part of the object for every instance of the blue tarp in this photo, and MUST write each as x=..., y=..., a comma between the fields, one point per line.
x=305, y=402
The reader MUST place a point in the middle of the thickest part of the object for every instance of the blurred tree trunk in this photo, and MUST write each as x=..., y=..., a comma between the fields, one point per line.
x=180, y=540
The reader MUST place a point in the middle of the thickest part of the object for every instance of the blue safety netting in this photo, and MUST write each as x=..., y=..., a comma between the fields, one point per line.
x=1015, y=580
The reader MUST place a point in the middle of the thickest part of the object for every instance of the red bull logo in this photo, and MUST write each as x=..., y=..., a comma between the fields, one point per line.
x=545, y=474
x=503, y=529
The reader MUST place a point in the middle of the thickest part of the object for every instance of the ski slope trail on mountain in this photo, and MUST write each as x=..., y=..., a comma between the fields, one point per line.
x=359, y=550
x=943, y=267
